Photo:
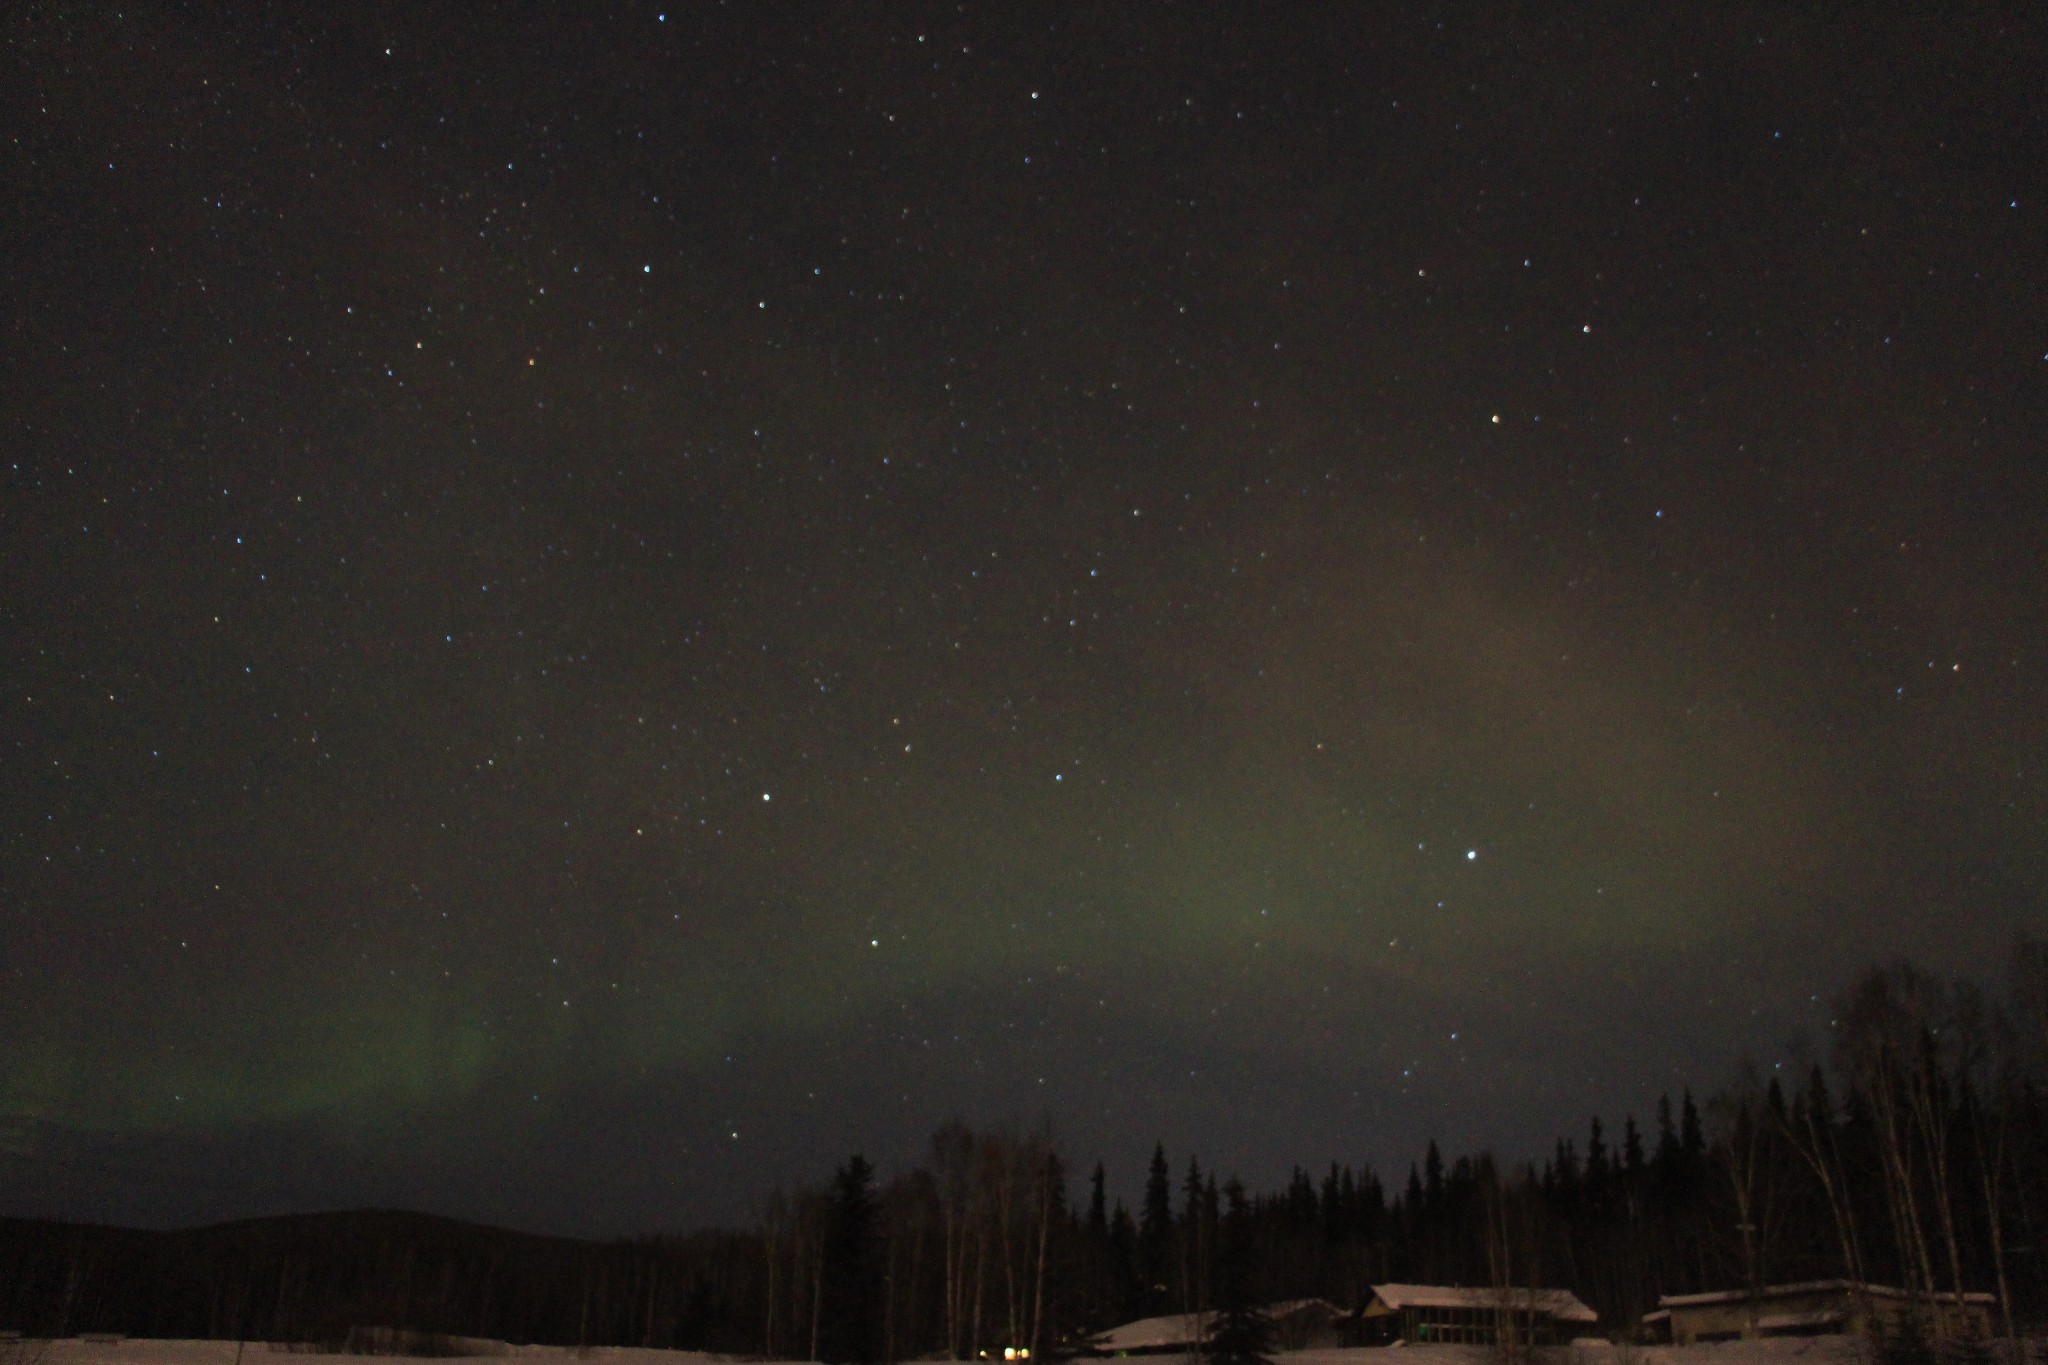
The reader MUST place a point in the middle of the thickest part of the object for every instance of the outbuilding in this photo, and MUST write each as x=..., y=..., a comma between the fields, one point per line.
x=1455, y=1314
x=1171, y=1334
x=1824, y=1308
x=1298, y=1324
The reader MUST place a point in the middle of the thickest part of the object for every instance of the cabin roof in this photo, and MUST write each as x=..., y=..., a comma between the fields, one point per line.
x=1804, y=1287
x=1561, y=1304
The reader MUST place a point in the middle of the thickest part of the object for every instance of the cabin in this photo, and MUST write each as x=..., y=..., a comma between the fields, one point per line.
x=1418, y=1314
x=1823, y=1308
x=1172, y=1334
x=1298, y=1324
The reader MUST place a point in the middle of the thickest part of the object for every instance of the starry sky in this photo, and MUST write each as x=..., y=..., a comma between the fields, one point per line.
x=600, y=606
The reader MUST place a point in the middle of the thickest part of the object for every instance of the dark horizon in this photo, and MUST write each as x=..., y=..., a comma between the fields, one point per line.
x=41, y=1185
x=1936, y=1098
x=598, y=610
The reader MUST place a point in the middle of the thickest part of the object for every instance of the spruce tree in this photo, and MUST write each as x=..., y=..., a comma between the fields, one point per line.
x=1598, y=1170
x=1243, y=1333
x=850, y=1299
x=1132, y=1290
x=1692, y=1137
x=1155, y=1229
x=1668, y=1149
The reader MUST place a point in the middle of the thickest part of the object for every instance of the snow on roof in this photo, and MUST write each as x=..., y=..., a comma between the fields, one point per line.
x=1780, y=1291
x=1190, y=1329
x=1153, y=1334
x=1287, y=1308
x=1561, y=1304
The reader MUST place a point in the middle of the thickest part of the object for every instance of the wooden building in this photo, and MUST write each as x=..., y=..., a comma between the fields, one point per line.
x=1298, y=1324
x=1822, y=1308
x=1428, y=1313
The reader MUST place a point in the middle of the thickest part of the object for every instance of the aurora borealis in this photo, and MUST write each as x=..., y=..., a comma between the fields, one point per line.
x=601, y=607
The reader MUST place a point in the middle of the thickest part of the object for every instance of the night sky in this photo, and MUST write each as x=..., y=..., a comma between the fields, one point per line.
x=601, y=606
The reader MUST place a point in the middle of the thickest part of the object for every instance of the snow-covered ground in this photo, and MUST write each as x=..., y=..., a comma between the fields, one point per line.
x=1765, y=1351
x=141, y=1351
x=136, y=1351
x=1768, y=1351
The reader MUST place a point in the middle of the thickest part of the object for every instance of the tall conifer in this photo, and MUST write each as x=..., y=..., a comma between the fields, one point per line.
x=1243, y=1333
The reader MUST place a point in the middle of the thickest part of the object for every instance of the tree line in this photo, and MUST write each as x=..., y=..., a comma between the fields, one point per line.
x=349, y=1281
x=1911, y=1153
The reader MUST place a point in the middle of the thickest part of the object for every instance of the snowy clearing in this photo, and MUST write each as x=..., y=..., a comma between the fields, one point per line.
x=1833, y=1350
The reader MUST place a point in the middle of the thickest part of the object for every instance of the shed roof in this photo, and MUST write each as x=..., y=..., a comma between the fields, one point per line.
x=1785, y=1291
x=1154, y=1334
x=1189, y=1330
x=1561, y=1304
